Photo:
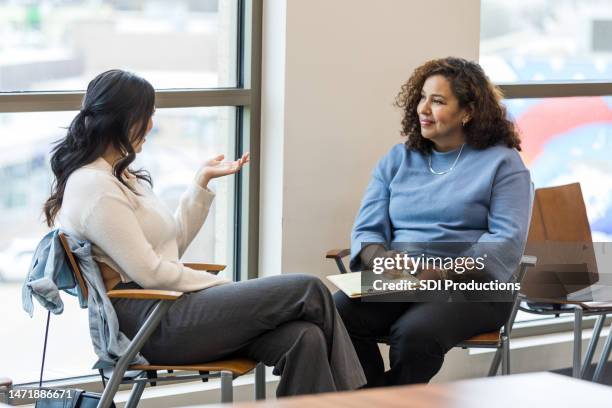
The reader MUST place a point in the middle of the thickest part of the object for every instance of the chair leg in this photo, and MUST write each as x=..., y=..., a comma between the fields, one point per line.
x=135, y=395
x=227, y=386
x=495, y=363
x=505, y=356
x=152, y=374
x=138, y=341
x=588, y=358
x=260, y=381
x=577, y=342
x=603, y=359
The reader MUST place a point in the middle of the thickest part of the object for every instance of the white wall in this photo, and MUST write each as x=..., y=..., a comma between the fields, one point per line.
x=331, y=71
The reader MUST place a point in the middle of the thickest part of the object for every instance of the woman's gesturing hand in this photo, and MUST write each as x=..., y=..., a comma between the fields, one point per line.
x=216, y=167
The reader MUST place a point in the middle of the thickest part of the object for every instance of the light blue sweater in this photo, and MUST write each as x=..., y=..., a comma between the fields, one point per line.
x=484, y=202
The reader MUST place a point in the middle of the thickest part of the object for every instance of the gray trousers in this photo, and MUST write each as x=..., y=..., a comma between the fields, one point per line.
x=286, y=321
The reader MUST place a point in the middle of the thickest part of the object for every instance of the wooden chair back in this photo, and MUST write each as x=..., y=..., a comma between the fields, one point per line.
x=74, y=266
x=560, y=236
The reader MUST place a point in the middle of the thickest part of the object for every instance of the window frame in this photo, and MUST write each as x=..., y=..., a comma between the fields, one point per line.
x=245, y=97
x=524, y=90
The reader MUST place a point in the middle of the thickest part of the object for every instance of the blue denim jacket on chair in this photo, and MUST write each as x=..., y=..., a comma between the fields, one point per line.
x=50, y=272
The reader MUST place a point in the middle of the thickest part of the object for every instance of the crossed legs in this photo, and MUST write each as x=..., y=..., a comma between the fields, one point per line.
x=287, y=321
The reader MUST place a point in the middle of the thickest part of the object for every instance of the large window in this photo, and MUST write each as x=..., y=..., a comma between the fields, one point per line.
x=60, y=45
x=203, y=58
x=546, y=40
x=553, y=60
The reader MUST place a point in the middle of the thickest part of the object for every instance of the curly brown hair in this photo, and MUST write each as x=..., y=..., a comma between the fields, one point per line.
x=471, y=86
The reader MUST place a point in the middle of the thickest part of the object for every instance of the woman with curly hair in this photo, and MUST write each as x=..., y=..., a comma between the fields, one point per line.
x=457, y=179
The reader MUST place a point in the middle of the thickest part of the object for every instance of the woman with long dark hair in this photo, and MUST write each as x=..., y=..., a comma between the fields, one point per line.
x=458, y=189
x=287, y=321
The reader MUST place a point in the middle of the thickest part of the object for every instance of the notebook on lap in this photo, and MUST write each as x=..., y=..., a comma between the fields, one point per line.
x=351, y=285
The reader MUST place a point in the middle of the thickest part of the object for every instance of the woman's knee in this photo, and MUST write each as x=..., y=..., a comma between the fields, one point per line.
x=310, y=337
x=304, y=281
x=314, y=286
x=299, y=285
x=310, y=280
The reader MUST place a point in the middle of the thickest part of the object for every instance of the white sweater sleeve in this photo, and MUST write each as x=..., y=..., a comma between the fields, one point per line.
x=191, y=213
x=112, y=225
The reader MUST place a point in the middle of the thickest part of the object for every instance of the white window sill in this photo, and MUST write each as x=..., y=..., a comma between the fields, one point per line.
x=543, y=340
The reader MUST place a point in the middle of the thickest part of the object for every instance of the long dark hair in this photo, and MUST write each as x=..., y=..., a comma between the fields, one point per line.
x=115, y=111
x=489, y=124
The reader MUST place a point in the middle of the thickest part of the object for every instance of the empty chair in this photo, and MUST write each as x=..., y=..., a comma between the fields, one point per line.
x=560, y=237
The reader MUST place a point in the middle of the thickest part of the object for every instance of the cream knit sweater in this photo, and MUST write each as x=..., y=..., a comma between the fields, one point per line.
x=136, y=234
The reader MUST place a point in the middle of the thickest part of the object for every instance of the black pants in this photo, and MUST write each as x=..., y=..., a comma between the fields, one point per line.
x=419, y=334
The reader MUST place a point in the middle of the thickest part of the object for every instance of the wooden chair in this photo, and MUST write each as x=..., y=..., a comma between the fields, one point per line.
x=498, y=339
x=227, y=370
x=560, y=236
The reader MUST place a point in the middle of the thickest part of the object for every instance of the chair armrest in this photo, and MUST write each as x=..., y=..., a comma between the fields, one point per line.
x=529, y=260
x=144, y=294
x=212, y=268
x=337, y=253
